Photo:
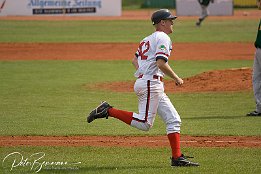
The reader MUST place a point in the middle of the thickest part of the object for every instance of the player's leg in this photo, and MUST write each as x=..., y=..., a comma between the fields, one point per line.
x=257, y=80
x=107, y=110
x=170, y=116
x=172, y=120
x=102, y=111
x=204, y=14
x=148, y=93
x=148, y=103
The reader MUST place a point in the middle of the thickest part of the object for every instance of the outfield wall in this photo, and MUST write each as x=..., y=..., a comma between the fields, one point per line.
x=192, y=8
x=60, y=7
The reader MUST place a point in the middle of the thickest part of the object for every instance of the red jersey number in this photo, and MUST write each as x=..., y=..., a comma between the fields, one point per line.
x=143, y=49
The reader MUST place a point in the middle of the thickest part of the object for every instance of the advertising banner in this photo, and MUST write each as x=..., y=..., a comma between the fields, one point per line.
x=60, y=7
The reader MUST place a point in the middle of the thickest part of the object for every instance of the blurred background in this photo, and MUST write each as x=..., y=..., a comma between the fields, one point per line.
x=137, y=4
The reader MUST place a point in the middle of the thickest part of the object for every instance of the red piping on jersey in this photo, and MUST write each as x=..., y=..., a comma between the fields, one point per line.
x=162, y=53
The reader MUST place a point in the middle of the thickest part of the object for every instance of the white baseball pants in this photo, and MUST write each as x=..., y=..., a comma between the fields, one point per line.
x=153, y=100
x=204, y=12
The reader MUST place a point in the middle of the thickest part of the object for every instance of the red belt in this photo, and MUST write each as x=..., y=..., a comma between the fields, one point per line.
x=154, y=77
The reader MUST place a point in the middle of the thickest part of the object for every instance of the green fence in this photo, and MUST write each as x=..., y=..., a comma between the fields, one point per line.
x=244, y=3
x=159, y=4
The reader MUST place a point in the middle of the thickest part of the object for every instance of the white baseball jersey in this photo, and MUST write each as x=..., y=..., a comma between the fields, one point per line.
x=156, y=45
x=149, y=88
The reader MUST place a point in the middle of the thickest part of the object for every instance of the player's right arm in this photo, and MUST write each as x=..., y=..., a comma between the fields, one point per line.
x=166, y=69
x=135, y=62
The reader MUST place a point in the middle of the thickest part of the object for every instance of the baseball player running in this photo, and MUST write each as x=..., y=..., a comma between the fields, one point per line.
x=257, y=70
x=204, y=10
x=151, y=64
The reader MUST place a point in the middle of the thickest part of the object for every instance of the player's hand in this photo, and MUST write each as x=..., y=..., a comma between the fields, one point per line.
x=179, y=82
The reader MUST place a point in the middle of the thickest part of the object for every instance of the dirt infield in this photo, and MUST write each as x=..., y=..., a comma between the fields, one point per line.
x=130, y=141
x=212, y=81
x=88, y=51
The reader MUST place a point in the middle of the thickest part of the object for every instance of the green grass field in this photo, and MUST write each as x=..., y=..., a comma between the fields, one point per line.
x=36, y=95
x=134, y=160
x=124, y=31
x=50, y=98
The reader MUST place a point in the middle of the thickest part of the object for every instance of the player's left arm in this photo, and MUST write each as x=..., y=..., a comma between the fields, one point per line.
x=166, y=69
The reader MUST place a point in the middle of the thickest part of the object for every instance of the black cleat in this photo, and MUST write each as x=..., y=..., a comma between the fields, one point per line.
x=254, y=113
x=100, y=112
x=198, y=24
x=183, y=162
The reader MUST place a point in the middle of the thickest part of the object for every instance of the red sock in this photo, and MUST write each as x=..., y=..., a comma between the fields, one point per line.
x=174, y=139
x=124, y=116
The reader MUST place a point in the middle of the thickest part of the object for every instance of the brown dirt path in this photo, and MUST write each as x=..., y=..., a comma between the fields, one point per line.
x=213, y=81
x=130, y=141
x=110, y=51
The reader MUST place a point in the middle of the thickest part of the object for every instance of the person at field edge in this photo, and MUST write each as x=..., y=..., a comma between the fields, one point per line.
x=204, y=10
x=151, y=64
x=256, y=78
